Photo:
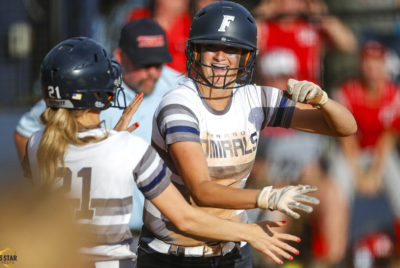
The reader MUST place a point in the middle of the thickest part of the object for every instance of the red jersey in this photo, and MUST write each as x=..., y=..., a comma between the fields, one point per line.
x=302, y=37
x=373, y=116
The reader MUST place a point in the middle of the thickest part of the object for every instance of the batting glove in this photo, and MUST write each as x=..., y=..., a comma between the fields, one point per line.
x=305, y=92
x=287, y=198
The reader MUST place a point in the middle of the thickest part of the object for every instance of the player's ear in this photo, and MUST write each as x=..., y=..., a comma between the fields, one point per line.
x=118, y=55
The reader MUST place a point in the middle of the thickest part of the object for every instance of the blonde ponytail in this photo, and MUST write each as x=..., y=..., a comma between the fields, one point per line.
x=61, y=130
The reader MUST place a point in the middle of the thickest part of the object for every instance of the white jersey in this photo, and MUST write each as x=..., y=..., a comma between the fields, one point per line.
x=229, y=140
x=100, y=177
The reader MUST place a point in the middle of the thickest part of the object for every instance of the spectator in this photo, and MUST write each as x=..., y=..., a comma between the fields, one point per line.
x=277, y=163
x=302, y=26
x=368, y=161
x=174, y=17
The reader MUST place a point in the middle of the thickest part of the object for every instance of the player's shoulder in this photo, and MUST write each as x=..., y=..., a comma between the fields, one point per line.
x=126, y=136
x=263, y=95
x=40, y=105
x=250, y=87
x=121, y=142
x=256, y=91
x=34, y=141
x=36, y=137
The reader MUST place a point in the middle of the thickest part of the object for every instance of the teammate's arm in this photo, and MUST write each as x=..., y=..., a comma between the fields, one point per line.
x=190, y=161
x=191, y=164
x=196, y=222
x=28, y=124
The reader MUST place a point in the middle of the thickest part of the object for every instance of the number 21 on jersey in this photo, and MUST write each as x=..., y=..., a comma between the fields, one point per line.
x=84, y=212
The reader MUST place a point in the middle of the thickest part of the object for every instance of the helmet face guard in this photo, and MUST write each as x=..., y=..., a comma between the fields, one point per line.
x=115, y=101
x=244, y=71
x=222, y=23
x=78, y=74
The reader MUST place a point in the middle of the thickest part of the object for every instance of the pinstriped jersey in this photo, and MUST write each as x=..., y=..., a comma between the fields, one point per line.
x=99, y=178
x=228, y=138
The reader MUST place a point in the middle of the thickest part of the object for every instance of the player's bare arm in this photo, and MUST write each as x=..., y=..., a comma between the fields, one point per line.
x=20, y=144
x=315, y=112
x=188, y=219
x=190, y=161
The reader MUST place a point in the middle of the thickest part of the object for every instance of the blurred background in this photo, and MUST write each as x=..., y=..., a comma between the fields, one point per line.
x=351, y=48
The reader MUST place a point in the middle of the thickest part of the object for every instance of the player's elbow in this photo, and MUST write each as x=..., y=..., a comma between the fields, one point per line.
x=187, y=222
x=185, y=226
x=350, y=129
x=200, y=200
x=202, y=196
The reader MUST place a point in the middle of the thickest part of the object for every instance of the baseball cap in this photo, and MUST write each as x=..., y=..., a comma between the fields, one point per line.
x=144, y=41
x=373, y=49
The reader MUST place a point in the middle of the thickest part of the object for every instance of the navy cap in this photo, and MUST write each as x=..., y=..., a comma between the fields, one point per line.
x=145, y=43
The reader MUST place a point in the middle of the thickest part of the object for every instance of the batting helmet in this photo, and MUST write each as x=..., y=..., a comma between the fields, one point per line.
x=223, y=23
x=78, y=74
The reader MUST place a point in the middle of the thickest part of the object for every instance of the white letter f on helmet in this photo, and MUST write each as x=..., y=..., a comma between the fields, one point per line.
x=225, y=23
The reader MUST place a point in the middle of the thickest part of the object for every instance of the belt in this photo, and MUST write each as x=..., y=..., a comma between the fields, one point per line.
x=209, y=250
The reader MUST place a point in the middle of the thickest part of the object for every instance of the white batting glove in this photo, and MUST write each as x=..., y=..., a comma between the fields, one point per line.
x=305, y=92
x=287, y=198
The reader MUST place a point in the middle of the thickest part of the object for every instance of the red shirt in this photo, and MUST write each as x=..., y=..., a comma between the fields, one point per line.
x=177, y=34
x=303, y=38
x=373, y=117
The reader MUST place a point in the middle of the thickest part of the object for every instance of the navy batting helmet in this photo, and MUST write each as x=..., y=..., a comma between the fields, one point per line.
x=78, y=74
x=223, y=23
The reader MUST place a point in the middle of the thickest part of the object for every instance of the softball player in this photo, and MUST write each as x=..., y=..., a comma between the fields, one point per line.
x=98, y=167
x=206, y=129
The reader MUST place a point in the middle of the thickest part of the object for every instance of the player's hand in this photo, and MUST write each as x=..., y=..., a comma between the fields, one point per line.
x=126, y=117
x=305, y=92
x=287, y=198
x=271, y=243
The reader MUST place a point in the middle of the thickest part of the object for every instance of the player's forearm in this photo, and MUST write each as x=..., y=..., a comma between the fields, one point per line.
x=339, y=119
x=260, y=235
x=191, y=164
x=205, y=225
x=194, y=221
x=212, y=194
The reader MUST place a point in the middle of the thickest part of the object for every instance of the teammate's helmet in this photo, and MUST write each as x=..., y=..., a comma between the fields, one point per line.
x=78, y=74
x=222, y=23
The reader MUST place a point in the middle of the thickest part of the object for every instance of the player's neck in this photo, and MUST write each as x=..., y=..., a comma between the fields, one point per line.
x=89, y=120
x=216, y=98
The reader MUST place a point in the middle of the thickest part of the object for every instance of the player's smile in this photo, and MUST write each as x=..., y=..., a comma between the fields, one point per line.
x=219, y=61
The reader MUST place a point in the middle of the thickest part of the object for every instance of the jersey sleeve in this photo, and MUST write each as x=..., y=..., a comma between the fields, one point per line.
x=151, y=174
x=278, y=110
x=175, y=121
x=30, y=121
